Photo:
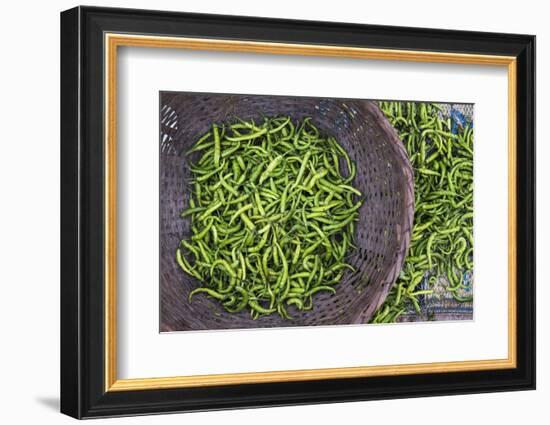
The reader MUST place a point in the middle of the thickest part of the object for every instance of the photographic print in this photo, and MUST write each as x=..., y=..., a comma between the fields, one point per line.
x=282, y=211
x=263, y=213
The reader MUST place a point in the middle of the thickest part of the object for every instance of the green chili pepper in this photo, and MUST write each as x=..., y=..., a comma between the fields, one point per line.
x=442, y=238
x=272, y=215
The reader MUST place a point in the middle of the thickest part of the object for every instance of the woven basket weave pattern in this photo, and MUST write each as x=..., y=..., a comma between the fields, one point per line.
x=384, y=175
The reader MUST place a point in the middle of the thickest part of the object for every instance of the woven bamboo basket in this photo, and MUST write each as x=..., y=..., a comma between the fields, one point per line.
x=383, y=231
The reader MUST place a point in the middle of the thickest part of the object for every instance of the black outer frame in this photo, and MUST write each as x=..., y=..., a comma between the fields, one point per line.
x=82, y=207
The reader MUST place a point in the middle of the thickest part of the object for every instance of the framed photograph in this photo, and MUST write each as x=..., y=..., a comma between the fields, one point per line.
x=261, y=212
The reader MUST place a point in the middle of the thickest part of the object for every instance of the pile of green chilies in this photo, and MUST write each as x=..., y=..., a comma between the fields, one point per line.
x=442, y=238
x=272, y=215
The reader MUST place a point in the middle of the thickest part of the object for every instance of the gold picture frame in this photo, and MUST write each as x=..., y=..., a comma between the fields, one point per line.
x=91, y=41
x=114, y=41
